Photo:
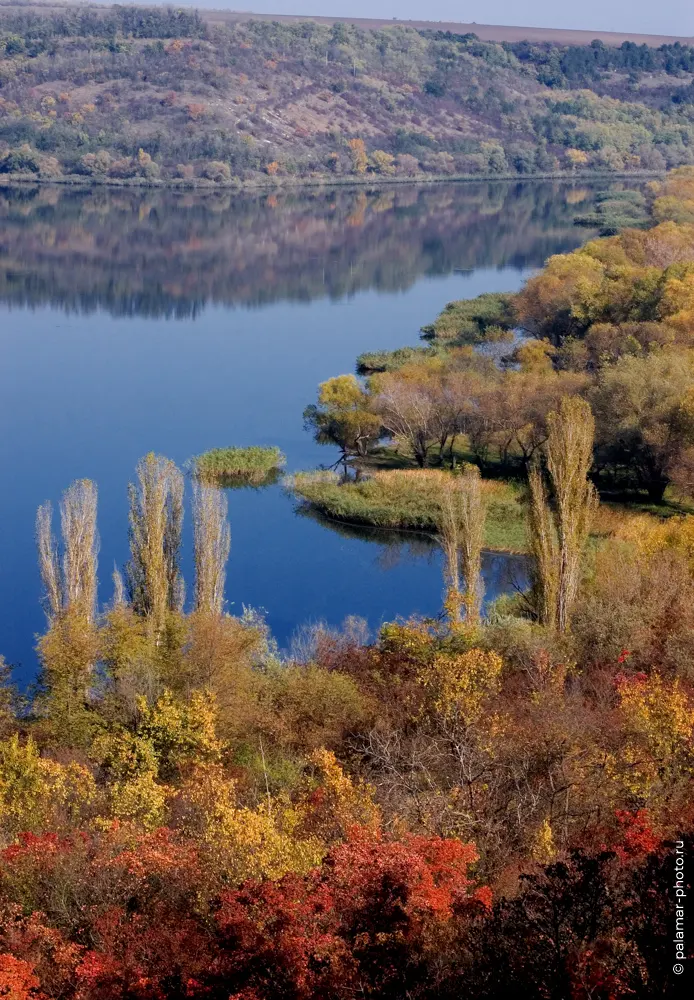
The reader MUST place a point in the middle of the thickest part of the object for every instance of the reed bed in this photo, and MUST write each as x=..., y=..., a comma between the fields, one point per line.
x=253, y=466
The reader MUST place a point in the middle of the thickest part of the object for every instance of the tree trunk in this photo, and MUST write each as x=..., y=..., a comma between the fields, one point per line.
x=451, y=455
x=656, y=490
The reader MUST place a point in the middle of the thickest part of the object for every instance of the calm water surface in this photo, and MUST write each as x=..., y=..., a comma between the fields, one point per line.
x=132, y=322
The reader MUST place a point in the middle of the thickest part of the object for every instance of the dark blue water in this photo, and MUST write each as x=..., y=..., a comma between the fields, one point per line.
x=101, y=364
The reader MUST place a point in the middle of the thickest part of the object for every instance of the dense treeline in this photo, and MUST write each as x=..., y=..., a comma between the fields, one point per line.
x=611, y=322
x=40, y=30
x=585, y=65
x=130, y=94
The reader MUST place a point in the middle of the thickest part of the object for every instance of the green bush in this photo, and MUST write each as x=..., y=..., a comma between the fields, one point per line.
x=470, y=321
x=390, y=361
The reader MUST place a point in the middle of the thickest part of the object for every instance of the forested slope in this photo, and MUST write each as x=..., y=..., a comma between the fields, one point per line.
x=126, y=92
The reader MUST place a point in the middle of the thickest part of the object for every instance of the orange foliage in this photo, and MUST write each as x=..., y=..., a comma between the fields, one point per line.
x=354, y=923
x=142, y=902
x=17, y=979
x=360, y=160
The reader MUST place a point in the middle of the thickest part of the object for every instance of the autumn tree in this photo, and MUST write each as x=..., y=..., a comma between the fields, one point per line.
x=560, y=516
x=408, y=410
x=644, y=410
x=383, y=162
x=70, y=583
x=344, y=416
x=511, y=411
x=40, y=794
x=658, y=718
x=68, y=653
x=554, y=303
x=18, y=979
x=360, y=159
x=577, y=158
x=155, y=583
x=69, y=650
x=218, y=654
x=212, y=540
x=461, y=522
x=369, y=911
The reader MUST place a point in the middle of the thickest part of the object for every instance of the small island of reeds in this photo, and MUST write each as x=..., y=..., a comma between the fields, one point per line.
x=253, y=466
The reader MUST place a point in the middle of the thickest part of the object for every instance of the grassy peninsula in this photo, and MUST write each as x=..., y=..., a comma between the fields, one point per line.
x=408, y=499
x=610, y=323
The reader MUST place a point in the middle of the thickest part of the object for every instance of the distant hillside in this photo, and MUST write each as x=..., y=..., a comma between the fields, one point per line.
x=485, y=32
x=148, y=94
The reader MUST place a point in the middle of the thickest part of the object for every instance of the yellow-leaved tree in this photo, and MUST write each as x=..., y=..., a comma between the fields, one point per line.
x=131, y=792
x=658, y=725
x=360, y=160
x=241, y=842
x=461, y=683
x=277, y=836
x=40, y=794
x=560, y=516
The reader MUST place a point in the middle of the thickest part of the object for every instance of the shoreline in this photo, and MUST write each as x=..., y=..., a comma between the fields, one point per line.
x=273, y=185
x=312, y=508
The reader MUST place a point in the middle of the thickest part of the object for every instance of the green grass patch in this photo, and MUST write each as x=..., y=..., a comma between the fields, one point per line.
x=239, y=466
x=391, y=361
x=489, y=317
x=408, y=499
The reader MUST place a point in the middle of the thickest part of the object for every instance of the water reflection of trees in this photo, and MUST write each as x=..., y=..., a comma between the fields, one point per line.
x=167, y=253
x=397, y=545
x=502, y=572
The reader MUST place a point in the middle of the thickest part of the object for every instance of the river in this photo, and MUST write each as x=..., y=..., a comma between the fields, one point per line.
x=135, y=321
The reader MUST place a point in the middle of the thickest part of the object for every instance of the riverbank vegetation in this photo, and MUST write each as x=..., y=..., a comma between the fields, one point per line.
x=150, y=96
x=405, y=499
x=185, y=811
x=254, y=466
x=610, y=322
x=468, y=805
x=615, y=211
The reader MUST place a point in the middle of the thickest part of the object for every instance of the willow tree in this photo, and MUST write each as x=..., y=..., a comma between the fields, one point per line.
x=211, y=541
x=155, y=584
x=70, y=647
x=461, y=521
x=562, y=503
